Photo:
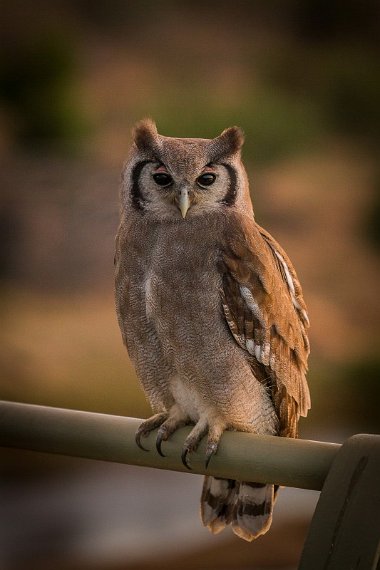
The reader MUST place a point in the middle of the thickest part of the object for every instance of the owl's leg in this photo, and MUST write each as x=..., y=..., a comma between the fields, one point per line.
x=214, y=429
x=149, y=425
x=176, y=419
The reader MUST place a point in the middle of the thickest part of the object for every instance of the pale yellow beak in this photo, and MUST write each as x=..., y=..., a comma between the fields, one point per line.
x=183, y=201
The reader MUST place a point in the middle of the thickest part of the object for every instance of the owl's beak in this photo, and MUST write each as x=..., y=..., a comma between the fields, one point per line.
x=183, y=201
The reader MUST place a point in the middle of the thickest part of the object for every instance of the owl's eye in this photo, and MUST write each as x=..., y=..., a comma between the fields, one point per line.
x=162, y=179
x=206, y=179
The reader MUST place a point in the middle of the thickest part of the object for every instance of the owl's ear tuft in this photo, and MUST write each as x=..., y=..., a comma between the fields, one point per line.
x=232, y=138
x=228, y=143
x=145, y=135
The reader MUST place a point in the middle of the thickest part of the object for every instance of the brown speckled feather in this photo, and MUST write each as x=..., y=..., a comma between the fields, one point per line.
x=264, y=308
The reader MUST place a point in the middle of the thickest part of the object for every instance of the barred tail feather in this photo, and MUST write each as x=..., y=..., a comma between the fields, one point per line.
x=217, y=502
x=246, y=506
x=253, y=512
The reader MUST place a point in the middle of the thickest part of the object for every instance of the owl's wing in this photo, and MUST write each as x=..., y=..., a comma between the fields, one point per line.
x=265, y=311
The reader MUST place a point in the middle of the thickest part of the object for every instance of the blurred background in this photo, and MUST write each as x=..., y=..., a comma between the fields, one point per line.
x=301, y=78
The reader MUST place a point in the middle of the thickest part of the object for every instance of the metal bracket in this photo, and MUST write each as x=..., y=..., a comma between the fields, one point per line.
x=345, y=530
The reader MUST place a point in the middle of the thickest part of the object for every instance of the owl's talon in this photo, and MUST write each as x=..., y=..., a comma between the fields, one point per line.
x=184, y=454
x=159, y=440
x=138, y=441
x=210, y=451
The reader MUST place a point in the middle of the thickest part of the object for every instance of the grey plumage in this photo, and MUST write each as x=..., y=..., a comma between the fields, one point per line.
x=210, y=309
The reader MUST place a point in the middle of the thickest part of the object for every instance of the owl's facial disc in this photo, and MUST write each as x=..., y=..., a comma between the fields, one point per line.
x=187, y=189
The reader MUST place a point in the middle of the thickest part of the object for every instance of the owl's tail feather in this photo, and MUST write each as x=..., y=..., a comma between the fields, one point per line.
x=253, y=512
x=246, y=506
x=217, y=501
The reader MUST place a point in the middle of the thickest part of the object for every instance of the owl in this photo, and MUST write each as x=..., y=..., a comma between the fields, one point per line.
x=210, y=309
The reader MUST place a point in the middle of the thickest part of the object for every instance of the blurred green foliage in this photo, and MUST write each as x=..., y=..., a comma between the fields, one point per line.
x=309, y=67
x=275, y=125
x=345, y=395
x=360, y=388
x=371, y=223
x=352, y=93
x=36, y=82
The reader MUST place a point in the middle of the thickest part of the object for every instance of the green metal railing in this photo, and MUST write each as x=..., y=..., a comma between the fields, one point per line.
x=345, y=531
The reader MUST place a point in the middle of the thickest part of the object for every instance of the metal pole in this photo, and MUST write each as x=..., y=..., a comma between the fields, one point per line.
x=242, y=456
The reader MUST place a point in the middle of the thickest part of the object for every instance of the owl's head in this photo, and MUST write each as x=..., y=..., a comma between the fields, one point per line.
x=170, y=178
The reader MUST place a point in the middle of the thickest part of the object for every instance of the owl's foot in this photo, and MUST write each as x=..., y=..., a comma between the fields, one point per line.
x=149, y=425
x=175, y=420
x=169, y=422
x=203, y=427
